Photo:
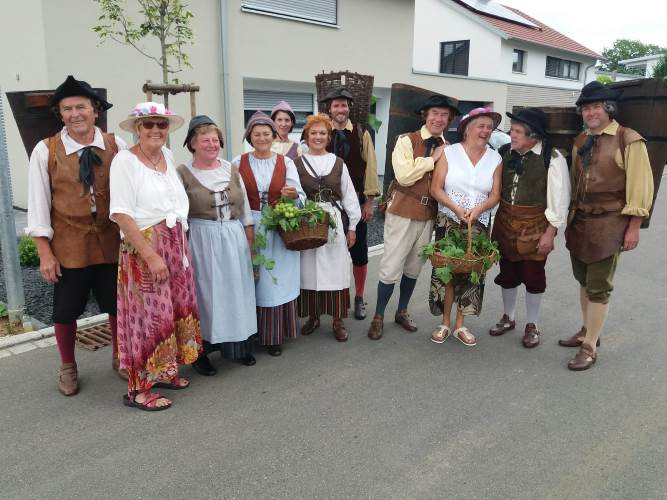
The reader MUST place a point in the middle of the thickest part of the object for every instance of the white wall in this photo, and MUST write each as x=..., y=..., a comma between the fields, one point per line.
x=438, y=21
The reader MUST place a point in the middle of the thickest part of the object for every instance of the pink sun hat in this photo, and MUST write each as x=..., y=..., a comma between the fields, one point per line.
x=148, y=110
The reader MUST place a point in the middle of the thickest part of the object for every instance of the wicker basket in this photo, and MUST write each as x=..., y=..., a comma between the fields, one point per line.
x=306, y=237
x=360, y=86
x=462, y=265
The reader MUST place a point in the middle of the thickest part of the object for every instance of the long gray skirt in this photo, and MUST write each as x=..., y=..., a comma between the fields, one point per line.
x=224, y=280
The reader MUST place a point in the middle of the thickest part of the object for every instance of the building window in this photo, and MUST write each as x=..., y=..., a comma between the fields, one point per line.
x=261, y=100
x=519, y=57
x=454, y=57
x=562, y=68
x=319, y=11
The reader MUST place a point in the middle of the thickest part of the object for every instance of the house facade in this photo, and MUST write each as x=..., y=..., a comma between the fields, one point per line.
x=249, y=54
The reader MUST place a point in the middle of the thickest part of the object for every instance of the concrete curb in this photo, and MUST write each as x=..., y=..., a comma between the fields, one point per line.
x=22, y=338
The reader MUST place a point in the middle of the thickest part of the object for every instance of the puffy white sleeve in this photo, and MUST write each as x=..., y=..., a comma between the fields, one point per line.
x=39, y=193
x=558, y=191
x=350, y=200
x=122, y=185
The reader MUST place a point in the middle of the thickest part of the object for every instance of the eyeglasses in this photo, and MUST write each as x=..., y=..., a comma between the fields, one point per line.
x=148, y=124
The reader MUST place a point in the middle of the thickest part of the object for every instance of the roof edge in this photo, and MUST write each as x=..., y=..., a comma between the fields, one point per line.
x=474, y=17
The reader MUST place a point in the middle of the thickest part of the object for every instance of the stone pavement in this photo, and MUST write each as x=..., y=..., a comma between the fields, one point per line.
x=397, y=418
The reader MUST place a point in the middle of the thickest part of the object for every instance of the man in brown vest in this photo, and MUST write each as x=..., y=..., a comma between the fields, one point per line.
x=68, y=217
x=354, y=145
x=612, y=191
x=535, y=196
x=408, y=223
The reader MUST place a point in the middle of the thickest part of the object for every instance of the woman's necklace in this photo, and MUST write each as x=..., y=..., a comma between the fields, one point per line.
x=154, y=163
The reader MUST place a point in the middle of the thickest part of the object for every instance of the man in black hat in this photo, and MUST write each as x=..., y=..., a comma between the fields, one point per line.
x=612, y=192
x=68, y=217
x=535, y=196
x=354, y=145
x=411, y=210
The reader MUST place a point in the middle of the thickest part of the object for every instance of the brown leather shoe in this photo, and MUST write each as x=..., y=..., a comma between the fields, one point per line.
x=576, y=340
x=531, y=336
x=339, y=330
x=403, y=319
x=310, y=326
x=584, y=359
x=504, y=325
x=68, y=381
x=377, y=325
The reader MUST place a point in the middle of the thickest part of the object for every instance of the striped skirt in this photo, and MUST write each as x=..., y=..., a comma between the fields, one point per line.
x=314, y=303
x=275, y=324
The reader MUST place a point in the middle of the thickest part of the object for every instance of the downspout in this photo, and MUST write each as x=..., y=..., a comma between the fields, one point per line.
x=225, y=79
x=586, y=70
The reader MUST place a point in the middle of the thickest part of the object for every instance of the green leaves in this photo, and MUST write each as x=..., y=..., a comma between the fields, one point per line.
x=444, y=274
x=28, y=255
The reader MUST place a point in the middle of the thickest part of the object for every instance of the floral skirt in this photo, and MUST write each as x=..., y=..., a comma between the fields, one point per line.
x=158, y=324
x=467, y=295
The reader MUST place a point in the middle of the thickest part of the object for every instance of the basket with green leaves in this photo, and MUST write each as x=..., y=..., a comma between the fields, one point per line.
x=299, y=228
x=458, y=254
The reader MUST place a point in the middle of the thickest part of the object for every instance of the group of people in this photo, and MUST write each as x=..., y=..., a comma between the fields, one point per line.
x=167, y=250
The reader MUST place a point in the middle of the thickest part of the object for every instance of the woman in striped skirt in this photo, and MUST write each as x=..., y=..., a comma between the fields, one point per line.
x=267, y=177
x=325, y=271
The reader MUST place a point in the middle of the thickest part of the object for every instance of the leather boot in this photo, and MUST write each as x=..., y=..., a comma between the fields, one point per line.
x=68, y=381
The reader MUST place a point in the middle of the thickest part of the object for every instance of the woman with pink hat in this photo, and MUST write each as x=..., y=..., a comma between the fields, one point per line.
x=466, y=183
x=158, y=319
x=285, y=119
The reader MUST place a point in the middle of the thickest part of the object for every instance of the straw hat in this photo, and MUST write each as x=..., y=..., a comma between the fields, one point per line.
x=151, y=110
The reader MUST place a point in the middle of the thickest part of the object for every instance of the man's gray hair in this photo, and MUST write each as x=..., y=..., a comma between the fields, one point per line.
x=609, y=106
x=530, y=133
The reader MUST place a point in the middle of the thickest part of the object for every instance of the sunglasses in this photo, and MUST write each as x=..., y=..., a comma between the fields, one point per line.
x=148, y=124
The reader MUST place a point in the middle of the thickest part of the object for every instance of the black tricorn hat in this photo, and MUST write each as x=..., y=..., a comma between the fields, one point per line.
x=195, y=122
x=596, y=92
x=72, y=87
x=440, y=101
x=338, y=93
x=535, y=118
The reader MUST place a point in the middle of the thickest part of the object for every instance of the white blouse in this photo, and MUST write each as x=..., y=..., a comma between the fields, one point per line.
x=466, y=184
x=217, y=180
x=149, y=197
x=322, y=165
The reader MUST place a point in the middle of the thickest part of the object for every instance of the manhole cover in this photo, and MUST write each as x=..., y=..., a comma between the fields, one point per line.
x=93, y=338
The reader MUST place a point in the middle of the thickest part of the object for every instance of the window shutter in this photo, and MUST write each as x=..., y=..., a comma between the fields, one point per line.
x=323, y=11
x=265, y=100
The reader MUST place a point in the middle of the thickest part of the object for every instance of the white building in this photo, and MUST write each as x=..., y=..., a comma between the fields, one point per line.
x=645, y=64
x=248, y=54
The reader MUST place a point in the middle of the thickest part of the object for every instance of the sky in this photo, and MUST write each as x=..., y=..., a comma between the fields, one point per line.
x=596, y=24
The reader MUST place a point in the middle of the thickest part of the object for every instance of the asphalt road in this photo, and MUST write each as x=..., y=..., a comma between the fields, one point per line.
x=397, y=418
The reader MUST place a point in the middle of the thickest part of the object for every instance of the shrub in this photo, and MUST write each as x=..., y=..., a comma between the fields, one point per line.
x=28, y=252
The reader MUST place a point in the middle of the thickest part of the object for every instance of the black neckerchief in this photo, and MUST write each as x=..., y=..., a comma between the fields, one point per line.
x=586, y=151
x=341, y=144
x=432, y=143
x=87, y=158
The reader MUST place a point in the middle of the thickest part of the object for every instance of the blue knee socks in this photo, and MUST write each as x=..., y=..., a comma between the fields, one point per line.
x=384, y=294
x=406, y=289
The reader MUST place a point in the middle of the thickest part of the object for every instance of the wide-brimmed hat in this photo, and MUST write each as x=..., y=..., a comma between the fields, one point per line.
x=440, y=101
x=285, y=108
x=338, y=93
x=259, y=118
x=148, y=110
x=72, y=87
x=197, y=121
x=535, y=118
x=476, y=113
x=596, y=92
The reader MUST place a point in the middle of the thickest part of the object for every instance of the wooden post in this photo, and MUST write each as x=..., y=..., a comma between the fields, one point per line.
x=149, y=93
x=193, y=104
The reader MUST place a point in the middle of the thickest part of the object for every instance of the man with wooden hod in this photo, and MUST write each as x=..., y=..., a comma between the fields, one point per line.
x=354, y=145
x=612, y=192
x=410, y=210
x=535, y=197
x=68, y=217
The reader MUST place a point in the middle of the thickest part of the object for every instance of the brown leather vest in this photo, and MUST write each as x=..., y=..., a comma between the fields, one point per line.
x=202, y=199
x=325, y=188
x=413, y=202
x=596, y=228
x=518, y=229
x=79, y=238
x=277, y=181
x=356, y=165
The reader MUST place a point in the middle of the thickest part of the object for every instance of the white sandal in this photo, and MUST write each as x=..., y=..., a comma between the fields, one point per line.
x=440, y=334
x=464, y=335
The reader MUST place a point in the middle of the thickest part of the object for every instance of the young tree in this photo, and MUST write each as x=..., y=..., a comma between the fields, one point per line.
x=166, y=20
x=626, y=49
x=660, y=70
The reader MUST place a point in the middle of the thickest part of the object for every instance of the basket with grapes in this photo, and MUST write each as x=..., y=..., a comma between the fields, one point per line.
x=299, y=228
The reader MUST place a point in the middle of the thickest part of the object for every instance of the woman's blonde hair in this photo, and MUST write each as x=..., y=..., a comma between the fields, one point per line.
x=317, y=119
